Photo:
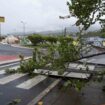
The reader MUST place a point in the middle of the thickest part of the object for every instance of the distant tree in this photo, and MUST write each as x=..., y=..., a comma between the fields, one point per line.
x=87, y=12
x=102, y=26
x=35, y=39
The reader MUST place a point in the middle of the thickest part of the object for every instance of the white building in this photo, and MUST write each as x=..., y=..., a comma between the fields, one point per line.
x=11, y=40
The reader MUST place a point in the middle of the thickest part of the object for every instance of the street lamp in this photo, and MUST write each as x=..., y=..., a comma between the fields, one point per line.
x=64, y=17
x=2, y=20
x=24, y=27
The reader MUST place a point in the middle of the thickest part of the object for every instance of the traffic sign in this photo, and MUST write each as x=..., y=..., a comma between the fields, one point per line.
x=2, y=19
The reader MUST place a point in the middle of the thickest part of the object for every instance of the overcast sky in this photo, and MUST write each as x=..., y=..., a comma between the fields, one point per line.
x=39, y=15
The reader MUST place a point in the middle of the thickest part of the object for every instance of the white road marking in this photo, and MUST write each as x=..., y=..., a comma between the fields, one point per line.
x=81, y=66
x=15, y=67
x=10, y=78
x=43, y=93
x=91, y=60
x=31, y=82
x=49, y=72
x=2, y=71
x=40, y=71
x=78, y=75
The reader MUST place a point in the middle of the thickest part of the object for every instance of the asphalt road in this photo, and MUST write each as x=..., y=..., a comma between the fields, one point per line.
x=12, y=88
x=6, y=49
x=91, y=94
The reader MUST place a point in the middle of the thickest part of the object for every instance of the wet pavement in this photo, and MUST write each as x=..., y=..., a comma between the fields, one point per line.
x=97, y=59
x=6, y=49
x=9, y=91
x=91, y=94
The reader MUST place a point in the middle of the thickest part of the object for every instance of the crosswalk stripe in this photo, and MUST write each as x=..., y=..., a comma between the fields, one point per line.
x=78, y=75
x=2, y=71
x=31, y=82
x=91, y=60
x=15, y=67
x=10, y=78
x=82, y=66
x=45, y=92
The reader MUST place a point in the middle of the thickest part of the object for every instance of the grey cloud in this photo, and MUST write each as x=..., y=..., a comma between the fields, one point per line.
x=39, y=15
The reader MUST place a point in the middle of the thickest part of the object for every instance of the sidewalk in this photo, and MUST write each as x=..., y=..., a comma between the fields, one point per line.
x=10, y=59
x=20, y=46
x=7, y=57
x=91, y=94
x=16, y=45
x=62, y=97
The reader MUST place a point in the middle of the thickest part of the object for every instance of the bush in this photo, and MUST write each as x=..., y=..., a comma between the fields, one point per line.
x=50, y=39
x=27, y=66
x=10, y=71
x=1, y=38
x=103, y=35
x=56, y=54
x=35, y=39
x=103, y=89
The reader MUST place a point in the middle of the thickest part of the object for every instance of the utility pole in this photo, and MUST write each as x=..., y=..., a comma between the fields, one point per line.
x=65, y=31
x=64, y=17
x=24, y=27
x=0, y=30
x=2, y=20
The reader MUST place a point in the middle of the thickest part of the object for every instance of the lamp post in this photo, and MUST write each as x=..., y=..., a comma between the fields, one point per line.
x=64, y=17
x=0, y=30
x=2, y=20
x=24, y=27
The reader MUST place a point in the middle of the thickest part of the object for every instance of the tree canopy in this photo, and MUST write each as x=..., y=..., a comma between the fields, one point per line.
x=87, y=12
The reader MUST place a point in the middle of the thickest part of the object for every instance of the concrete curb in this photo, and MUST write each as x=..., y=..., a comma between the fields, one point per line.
x=21, y=47
x=45, y=92
x=12, y=61
x=14, y=45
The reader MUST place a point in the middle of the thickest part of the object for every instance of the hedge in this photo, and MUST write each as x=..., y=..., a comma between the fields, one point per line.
x=36, y=39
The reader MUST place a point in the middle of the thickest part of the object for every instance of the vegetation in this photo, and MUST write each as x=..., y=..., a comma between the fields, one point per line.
x=35, y=39
x=14, y=102
x=55, y=53
x=25, y=41
x=10, y=71
x=102, y=35
x=87, y=12
x=1, y=38
x=27, y=66
x=50, y=39
x=40, y=39
x=55, y=56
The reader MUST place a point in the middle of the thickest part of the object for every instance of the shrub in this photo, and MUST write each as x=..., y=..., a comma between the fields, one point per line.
x=50, y=39
x=103, y=35
x=103, y=89
x=35, y=39
x=1, y=38
x=27, y=66
x=10, y=71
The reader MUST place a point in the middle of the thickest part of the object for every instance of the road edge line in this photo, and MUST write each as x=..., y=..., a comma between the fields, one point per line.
x=43, y=93
x=12, y=61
